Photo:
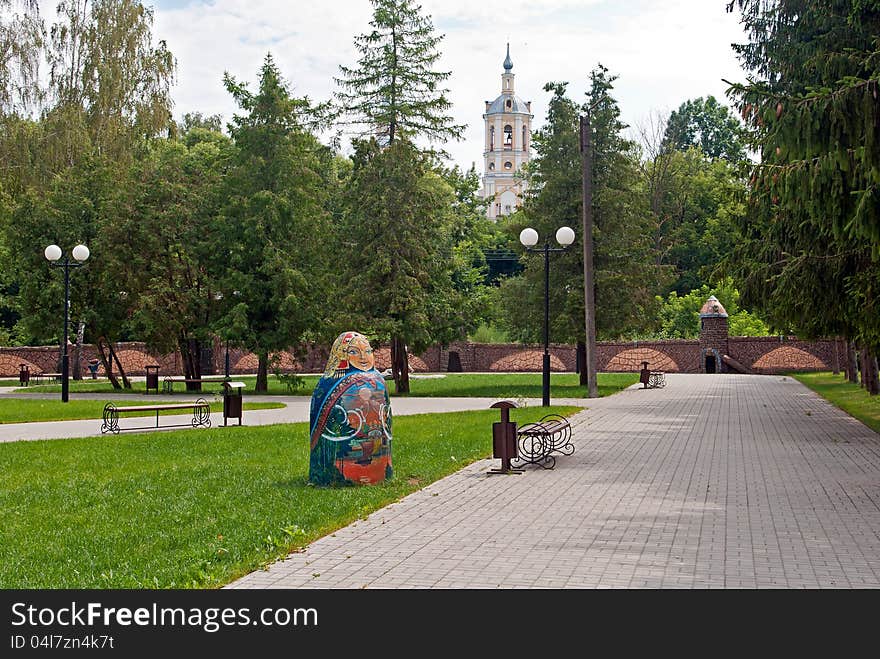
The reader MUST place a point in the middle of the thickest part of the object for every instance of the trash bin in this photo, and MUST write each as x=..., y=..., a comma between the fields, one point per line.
x=93, y=368
x=24, y=374
x=152, y=377
x=232, y=401
x=504, y=439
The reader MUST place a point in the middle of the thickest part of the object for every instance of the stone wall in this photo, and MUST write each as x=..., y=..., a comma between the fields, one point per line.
x=47, y=359
x=775, y=354
x=759, y=354
x=670, y=356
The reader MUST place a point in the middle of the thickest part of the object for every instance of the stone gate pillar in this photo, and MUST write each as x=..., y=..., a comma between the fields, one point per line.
x=713, y=336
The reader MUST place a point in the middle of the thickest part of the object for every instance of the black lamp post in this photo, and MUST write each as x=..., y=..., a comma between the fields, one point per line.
x=80, y=254
x=529, y=238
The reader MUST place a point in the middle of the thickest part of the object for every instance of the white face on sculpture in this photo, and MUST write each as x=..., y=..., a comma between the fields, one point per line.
x=360, y=354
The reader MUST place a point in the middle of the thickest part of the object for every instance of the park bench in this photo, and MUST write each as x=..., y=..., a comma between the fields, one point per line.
x=168, y=382
x=45, y=377
x=651, y=379
x=538, y=441
x=201, y=415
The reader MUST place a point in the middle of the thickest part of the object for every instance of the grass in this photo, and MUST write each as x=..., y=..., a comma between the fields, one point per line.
x=18, y=410
x=103, y=386
x=495, y=385
x=851, y=398
x=199, y=508
x=516, y=385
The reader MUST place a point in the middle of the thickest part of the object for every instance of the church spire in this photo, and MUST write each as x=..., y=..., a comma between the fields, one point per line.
x=508, y=64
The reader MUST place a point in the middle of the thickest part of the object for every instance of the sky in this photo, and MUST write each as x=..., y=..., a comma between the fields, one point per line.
x=664, y=52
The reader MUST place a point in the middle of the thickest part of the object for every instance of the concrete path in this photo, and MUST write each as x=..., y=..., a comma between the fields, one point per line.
x=715, y=481
x=296, y=409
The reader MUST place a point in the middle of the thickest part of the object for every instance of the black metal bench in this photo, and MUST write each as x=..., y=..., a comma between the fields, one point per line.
x=538, y=441
x=41, y=378
x=200, y=409
x=651, y=379
x=168, y=382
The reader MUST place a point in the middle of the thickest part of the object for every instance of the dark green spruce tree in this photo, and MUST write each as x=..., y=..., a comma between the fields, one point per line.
x=399, y=268
x=810, y=249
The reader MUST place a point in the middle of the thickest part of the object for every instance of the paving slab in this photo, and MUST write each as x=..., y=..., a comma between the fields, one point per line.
x=715, y=481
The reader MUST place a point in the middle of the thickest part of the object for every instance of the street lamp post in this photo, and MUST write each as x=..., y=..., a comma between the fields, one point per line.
x=53, y=254
x=529, y=238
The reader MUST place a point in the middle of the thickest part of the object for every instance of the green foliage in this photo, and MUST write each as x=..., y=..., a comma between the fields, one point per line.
x=398, y=277
x=272, y=278
x=708, y=125
x=810, y=248
x=22, y=36
x=627, y=278
x=488, y=334
x=696, y=203
x=412, y=273
x=70, y=211
x=164, y=237
x=103, y=64
x=680, y=315
x=394, y=91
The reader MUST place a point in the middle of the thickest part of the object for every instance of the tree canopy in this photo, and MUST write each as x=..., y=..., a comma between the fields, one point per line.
x=810, y=249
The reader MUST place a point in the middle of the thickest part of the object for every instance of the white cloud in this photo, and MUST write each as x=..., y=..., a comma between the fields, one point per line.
x=663, y=53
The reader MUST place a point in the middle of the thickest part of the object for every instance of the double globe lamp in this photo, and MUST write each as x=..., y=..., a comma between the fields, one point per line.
x=529, y=238
x=53, y=253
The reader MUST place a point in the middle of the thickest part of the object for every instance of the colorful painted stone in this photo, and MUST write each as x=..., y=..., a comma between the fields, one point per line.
x=350, y=417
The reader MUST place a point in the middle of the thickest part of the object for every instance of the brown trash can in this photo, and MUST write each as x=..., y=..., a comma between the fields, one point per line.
x=152, y=378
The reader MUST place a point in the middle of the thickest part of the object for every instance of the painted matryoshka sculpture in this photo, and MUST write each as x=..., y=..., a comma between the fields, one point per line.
x=350, y=417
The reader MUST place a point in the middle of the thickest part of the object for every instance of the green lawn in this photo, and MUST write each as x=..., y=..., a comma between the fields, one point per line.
x=23, y=410
x=497, y=385
x=851, y=398
x=515, y=385
x=199, y=508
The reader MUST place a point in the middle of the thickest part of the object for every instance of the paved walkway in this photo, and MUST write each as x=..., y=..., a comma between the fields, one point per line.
x=727, y=481
x=296, y=409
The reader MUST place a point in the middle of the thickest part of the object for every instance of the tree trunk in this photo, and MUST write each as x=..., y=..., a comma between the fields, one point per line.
x=852, y=371
x=76, y=358
x=262, y=385
x=189, y=355
x=581, y=359
x=399, y=365
x=835, y=359
x=872, y=380
x=863, y=368
x=125, y=381
x=108, y=365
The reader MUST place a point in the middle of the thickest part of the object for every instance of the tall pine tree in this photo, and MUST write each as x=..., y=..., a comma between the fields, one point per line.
x=395, y=95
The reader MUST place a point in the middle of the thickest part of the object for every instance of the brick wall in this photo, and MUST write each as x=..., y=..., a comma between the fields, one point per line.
x=760, y=354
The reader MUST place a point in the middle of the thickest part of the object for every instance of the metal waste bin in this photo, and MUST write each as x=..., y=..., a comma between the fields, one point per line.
x=152, y=377
x=24, y=374
x=232, y=401
x=504, y=439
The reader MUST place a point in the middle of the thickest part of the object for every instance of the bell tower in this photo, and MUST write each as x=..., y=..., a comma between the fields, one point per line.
x=508, y=134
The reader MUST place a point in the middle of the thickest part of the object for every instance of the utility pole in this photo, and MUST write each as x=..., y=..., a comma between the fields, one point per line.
x=589, y=290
